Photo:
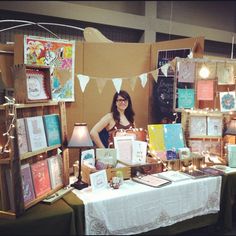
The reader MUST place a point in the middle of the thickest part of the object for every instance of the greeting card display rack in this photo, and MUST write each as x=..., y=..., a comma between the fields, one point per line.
x=10, y=159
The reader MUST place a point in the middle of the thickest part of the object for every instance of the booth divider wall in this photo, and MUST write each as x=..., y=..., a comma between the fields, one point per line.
x=107, y=61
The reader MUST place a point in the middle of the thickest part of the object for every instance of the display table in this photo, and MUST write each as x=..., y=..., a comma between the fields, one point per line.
x=42, y=219
x=137, y=208
x=227, y=200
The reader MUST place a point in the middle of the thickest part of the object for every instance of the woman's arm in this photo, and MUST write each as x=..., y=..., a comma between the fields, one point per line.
x=101, y=124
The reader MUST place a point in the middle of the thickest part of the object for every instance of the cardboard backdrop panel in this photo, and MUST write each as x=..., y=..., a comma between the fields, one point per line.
x=114, y=60
x=6, y=60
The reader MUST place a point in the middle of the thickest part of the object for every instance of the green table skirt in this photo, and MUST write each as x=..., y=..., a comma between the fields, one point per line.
x=42, y=219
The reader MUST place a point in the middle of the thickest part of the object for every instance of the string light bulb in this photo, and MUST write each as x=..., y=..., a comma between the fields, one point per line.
x=204, y=72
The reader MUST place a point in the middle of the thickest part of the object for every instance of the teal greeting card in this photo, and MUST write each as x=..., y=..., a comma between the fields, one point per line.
x=185, y=98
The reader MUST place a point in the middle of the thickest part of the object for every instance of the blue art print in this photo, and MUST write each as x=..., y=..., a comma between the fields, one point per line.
x=185, y=98
x=227, y=101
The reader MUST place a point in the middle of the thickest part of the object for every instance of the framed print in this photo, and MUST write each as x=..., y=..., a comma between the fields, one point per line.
x=186, y=71
x=205, y=90
x=214, y=126
x=225, y=73
x=197, y=126
x=123, y=144
x=227, y=101
x=60, y=56
x=98, y=180
x=186, y=98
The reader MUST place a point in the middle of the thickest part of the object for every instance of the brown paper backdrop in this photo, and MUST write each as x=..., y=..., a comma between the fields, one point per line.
x=112, y=60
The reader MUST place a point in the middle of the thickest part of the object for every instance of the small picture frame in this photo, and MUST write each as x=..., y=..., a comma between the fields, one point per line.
x=98, y=180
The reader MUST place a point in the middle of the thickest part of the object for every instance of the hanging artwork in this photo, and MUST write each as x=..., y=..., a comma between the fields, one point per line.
x=164, y=87
x=59, y=55
x=185, y=98
x=225, y=73
x=186, y=71
x=205, y=90
x=227, y=101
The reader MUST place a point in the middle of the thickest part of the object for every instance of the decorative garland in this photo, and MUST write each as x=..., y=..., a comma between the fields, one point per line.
x=11, y=107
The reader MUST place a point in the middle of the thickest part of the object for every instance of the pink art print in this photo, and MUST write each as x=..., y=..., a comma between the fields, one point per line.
x=59, y=55
x=205, y=90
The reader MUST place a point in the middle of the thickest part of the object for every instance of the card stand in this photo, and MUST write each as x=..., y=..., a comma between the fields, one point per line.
x=173, y=164
x=186, y=164
x=31, y=83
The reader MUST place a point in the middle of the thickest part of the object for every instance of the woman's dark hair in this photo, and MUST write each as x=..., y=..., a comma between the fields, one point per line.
x=129, y=113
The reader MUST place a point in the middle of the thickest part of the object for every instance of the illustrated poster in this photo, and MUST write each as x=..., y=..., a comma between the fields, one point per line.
x=59, y=55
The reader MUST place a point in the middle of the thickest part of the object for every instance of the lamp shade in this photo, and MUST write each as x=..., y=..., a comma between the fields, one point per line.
x=232, y=127
x=80, y=136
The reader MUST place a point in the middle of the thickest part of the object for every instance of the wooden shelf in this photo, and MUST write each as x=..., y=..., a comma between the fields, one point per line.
x=11, y=163
x=31, y=154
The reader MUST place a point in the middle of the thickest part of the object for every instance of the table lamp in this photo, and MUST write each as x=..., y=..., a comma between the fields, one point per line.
x=231, y=130
x=80, y=139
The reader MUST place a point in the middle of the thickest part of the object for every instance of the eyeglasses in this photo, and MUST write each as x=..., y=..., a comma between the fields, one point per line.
x=121, y=100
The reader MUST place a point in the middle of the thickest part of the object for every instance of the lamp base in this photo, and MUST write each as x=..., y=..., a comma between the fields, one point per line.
x=79, y=184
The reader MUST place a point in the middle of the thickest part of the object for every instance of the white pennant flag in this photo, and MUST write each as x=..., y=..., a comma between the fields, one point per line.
x=190, y=55
x=164, y=69
x=133, y=82
x=143, y=78
x=155, y=74
x=101, y=82
x=117, y=84
x=83, y=81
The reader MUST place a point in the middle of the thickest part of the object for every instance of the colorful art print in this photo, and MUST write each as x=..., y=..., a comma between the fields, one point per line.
x=35, y=133
x=205, y=90
x=55, y=167
x=52, y=129
x=167, y=56
x=195, y=146
x=41, y=177
x=184, y=153
x=214, y=126
x=173, y=136
x=232, y=155
x=186, y=98
x=59, y=55
x=227, y=101
x=225, y=73
x=21, y=136
x=98, y=180
x=213, y=147
x=156, y=139
x=198, y=126
x=199, y=146
x=27, y=184
x=107, y=155
x=171, y=155
x=186, y=71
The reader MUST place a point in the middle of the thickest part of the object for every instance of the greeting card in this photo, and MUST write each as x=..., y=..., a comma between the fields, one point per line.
x=205, y=90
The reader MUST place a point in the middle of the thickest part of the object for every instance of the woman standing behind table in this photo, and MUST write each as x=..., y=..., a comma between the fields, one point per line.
x=120, y=117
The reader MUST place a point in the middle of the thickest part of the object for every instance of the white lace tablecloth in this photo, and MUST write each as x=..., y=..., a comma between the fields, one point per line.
x=136, y=208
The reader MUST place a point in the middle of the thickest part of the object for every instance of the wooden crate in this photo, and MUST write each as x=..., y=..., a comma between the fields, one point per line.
x=86, y=171
x=21, y=84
